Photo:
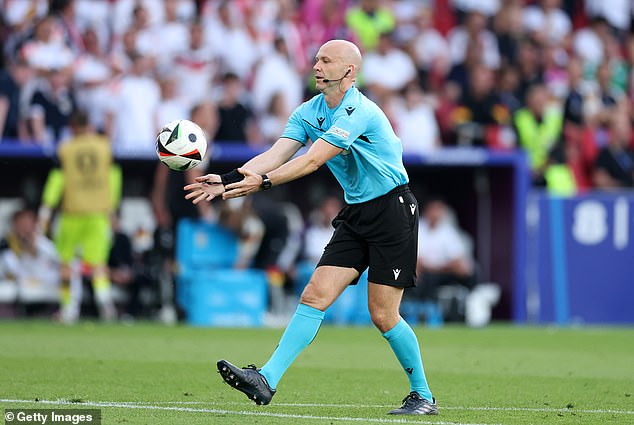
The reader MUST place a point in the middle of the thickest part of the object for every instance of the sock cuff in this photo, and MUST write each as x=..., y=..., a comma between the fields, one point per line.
x=308, y=311
x=396, y=331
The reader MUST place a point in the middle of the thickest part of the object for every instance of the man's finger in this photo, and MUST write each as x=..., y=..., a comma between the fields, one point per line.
x=192, y=186
x=200, y=198
x=193, y=194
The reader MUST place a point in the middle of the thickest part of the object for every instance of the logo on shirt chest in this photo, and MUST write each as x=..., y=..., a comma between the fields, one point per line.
x=320, y=121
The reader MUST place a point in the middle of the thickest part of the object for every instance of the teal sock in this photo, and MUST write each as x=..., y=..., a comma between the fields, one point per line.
x=300, y=332
x=404, y=343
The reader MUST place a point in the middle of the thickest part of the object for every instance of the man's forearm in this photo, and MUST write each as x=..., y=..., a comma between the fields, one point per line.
x=293, y=169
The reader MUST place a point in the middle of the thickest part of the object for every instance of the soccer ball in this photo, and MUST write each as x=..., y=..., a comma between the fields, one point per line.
x=181, y=145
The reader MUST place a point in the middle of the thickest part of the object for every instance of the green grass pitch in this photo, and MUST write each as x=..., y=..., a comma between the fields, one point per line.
x=150, y=374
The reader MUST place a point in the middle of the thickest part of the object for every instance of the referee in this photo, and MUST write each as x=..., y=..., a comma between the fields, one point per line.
x=377, y=229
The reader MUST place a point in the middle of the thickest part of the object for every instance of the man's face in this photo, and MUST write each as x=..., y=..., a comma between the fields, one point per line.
x=24, y=227
x=329, y=65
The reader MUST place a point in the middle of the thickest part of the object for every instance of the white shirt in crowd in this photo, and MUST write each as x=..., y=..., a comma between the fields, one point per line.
x=133, y=104
x=554, y=23
x=392, y=70
x=617, y=12
x=459, y=39
x=439, y=245
x=38, y=271
x=487, y=7
x=588, y=46
x=276, y=74
x=417, y=128
x=430, y=46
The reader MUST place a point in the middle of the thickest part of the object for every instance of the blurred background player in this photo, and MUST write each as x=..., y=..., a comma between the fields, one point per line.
x=88, y=184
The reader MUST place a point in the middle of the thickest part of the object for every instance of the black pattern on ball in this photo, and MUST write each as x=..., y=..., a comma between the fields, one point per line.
x=192, y=137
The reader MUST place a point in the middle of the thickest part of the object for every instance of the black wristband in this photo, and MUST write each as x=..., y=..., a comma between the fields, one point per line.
x=232, y=176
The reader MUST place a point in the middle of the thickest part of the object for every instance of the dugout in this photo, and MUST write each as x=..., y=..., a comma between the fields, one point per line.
x=486, y=189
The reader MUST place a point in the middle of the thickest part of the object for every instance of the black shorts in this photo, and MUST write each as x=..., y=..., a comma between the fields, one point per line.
x=381, y=234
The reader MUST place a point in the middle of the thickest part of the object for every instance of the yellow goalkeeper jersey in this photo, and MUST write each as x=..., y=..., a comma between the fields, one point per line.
x=88, y=181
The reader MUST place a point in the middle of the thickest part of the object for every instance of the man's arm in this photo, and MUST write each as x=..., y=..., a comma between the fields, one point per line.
x=272, y=158
x=320, y=152
x=209, y=186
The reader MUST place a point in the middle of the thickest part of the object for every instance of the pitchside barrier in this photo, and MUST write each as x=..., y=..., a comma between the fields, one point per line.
x=579, y=259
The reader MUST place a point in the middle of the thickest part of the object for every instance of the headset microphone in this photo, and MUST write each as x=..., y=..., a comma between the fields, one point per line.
x=344, y=76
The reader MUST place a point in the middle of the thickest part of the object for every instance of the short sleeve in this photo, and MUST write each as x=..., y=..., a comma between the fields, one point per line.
x=294, y=128
x=346, y=128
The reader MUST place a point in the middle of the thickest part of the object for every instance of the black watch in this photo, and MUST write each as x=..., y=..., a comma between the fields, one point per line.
x=266, y=183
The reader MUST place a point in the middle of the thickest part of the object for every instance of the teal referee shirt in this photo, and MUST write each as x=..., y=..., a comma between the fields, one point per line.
x=372, y=161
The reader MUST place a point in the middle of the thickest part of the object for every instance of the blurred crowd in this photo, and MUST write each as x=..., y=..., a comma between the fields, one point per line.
x=552, y=77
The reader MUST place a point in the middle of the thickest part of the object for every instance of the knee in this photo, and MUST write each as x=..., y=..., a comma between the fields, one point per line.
x=313, y=297
x=384, y=319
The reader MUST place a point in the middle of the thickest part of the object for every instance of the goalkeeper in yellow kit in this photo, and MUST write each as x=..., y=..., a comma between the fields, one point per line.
x=88, y=184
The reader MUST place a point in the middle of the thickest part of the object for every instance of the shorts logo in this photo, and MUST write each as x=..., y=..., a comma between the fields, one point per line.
x=340, y=132
x=412, y=207
x=396, y=272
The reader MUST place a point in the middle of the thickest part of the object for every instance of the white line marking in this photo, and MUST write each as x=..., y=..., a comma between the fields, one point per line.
x=156, y=405
x=129, y=405
x=365, y=406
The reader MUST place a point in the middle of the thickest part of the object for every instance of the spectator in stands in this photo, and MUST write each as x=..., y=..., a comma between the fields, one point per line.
x=171, y=106
x=588, y=42
x=63, y=11
x=538, y=127
x=289, y=28
x=508, y=87
x=12, y=80
x=165, y=40
x=319, y=230
x=444, y=256
x=474, y=30
x=126, y=271
x=227, y=32
x=430, y=50
x=280, y=247
x=614, y=167
x=529, y=63
x=88, y=185
x=29, y=259
x=271, y=122
x=276, y=74
x=237, y=121
x=46, y=50
x=478, y=109
x=487, y=8
x=50, y=107
x=368, y=20
x=547, y=23
x=617, y=13
x=509, y=30
x=415, y=122
x=387, y=56
x=134, y=98
x=238, y=216
x=195, y=67
x=323, y=20
x=91, y=75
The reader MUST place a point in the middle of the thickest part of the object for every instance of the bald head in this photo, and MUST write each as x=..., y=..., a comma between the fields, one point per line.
x=345, y=51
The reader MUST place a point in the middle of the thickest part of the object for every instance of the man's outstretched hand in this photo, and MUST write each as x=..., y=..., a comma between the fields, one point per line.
x=206, y=188
x=250, y=184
